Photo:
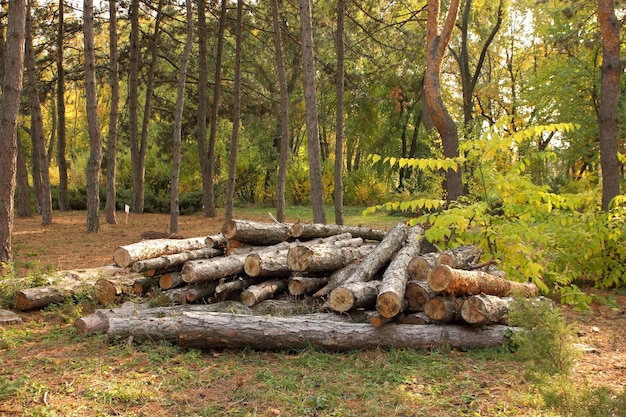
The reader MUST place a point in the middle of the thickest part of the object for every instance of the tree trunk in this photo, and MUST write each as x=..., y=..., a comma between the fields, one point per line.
x=36, y=128
x=436, y=45
x=390, y=301
x=284, y=114
x=63, y=200
x=443, y=309
x=325, y=258
x=354, y=295
x=170, y=280
x=486, y=309
x=234, y=142
x=164, y=262
x=337, y=278
x=146, y=249
x=178, y=121
x=9, y=111
x=417, y=293
x=254, y=294
x=609, y=97
x=110, y=205
x=231, y=290
x=312, y=127
x=22, y=194
x=339, y=124
x=458, y=282
x=300, y=285
x=420, y=265
x=255, y=232
x=207, y=330
x=108, y=289
x=305, y=231
x=217, y=241
x=203, y=97
x=133, y=110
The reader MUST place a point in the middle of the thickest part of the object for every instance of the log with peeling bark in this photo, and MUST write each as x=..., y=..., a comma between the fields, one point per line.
x=171, y=280
x=146, y=249
x=417, y=294
x=305, y=231
x=197, y=293
x=325, y=258
x=299, y=285
x=254, y=294
x=64, y=284
x=108, y=289
x=167, y=262
x=486, y=309
x=354, y=295
x=217, y=241
x=390, y=301
x=230, y=290
x=462, y=257
x=256, y=233
x=206, y=330
x=444, y=309
x=458, y=282
x=420, y=265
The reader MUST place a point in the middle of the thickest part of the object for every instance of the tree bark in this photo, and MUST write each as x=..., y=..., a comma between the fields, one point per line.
x=108, y=289
x=306, y=231
x=418, y=318
x=486, y=309
x=9, y=111
x=390, y=299
x=339, y=120
x=216, y=241
x=417, y=293
x=170, y=280
x=420, y=265
x=312, y=126
x=354, y=295
x=63, y=200
x=462, y=257
x=325, y=258
x=444, y=309
x=164, y=262
x=458, y=282
x=146, y=249
x=254, y=294
x=111, y=196
x=255, y=232
x=22, y=193
x=231, y=290
x=203, y=98
x=299, y=285
x=133, y=110
x=207, y=330
x=337, y=278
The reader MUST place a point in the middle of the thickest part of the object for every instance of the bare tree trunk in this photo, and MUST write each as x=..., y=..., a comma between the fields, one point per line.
x=95, y=141
x=133, y=109
x=609, y=95
x=284, y=115
x=178, y=119
x=232, y=164
x=62, y=197
x=9, y=110
x=201, y=124
x=338, y=175
x=113, y=115
x=24, y=208
x=436, y=44
x=36, y=128
x=312, y=126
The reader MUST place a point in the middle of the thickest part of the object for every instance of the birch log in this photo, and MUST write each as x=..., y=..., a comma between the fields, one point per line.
x=458, y=282
x=125, y=255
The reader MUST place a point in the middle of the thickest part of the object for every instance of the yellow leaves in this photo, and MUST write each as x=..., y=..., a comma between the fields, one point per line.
x=425, y=164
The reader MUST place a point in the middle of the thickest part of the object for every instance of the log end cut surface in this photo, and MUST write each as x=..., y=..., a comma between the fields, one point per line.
x=439, y=277
x=388, y=304
x=341, y=299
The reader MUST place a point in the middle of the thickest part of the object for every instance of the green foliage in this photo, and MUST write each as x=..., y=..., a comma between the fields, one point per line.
x=8, y=386
x=364, y=187
x=11, y=284
x=569, y=400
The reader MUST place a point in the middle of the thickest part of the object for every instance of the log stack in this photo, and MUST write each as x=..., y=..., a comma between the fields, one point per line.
x=390, y=277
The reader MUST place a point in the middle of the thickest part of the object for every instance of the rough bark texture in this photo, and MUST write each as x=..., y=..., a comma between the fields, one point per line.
x=463, y=257
x=216, y=241
x=459, y=282
x=306, y=285
x=325, y=258
x=390, y=299
x=108, y=289
x=418, y=317
x=354, y=295
x=230, y=290
x=176, y=259
x=125, y=255
x=444, y=309
x=254, y=294
x=306, y=231
x=171, y=280
x=417, y=293
x=336, y=279
x=256, y=233
x=486, y=309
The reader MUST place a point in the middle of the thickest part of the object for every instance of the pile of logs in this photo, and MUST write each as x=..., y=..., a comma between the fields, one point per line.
x=363, y=278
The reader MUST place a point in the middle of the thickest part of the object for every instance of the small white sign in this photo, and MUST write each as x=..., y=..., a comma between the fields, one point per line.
x=126, y=208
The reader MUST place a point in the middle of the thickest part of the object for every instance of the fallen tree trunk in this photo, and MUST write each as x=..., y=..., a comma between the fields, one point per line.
x=420, y=265
x=254, y=294
x=305, y=285
x=354, y=295
x=305, y=231
x=458, y=282
x=165, y=262
x=125, y=255
x=256, y=233
x=232, y=331
x=325, y=258
x=64, y=284
x=444, y=309
x=486, y=309
x=390, y=300
x=417, y=294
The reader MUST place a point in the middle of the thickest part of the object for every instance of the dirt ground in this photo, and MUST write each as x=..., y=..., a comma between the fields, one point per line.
x=66, y=245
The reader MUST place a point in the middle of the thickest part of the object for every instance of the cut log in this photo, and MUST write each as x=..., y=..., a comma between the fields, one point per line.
x=354, y=295
x=143, y=285
x=305, y=231
x=418, y=318
x=231, y=290
x=390, y=299
x=256, y=233
x=458, y=282
x=462, y=257
x=197, y=293
x=171, y=280
x=254, y=294
x=125, y=255
x=167, y=262
x=336, y=279
x=217, y=241
x=444, y=309
x=420, y=265
x=417, y=294
x=325, y=258
x=64, y=284
x=108, y=289
x=203, y=330
x=376, y=320
x=486, y=309
x=298, y=285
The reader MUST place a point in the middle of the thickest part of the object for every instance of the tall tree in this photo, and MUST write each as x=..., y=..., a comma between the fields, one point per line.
x=178, y=119
x=109, y=208
x=203, y=96
x=232, y=164
x=338, y=175
x=60, y=105
x=137, y=151
x=93, y=126
x=310, y=100
x=36, y=126
x=284, y=113
x=609, y=95
x=22, y=193
x=436, y=45
x=9, y=110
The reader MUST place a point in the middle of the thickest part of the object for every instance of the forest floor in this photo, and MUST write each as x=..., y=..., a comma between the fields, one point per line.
x=66, y=245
